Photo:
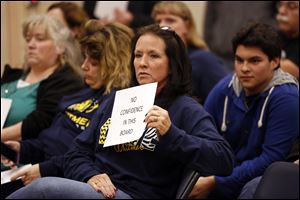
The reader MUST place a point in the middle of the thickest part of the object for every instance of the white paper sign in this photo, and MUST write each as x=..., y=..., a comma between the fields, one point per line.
x=130, y=108
x=5, y=106
x=106, y=9
x=6, y=175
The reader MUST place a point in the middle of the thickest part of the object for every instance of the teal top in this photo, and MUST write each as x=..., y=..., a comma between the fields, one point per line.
x=23, y=100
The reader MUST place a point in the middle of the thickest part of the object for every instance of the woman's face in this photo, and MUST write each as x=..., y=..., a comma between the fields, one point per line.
x=173, y=21
x=91, y=73
x=41, y=50
x=150, y=61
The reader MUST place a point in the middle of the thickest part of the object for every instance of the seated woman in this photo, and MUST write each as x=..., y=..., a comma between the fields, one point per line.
x=150, y=167
x=49, y=74
x=207, y=69
x=106, y=67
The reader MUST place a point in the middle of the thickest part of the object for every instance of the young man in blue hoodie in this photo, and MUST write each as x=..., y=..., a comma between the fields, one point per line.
x=256, y=110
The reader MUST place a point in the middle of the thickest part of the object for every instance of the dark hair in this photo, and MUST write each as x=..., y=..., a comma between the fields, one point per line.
x=179, y=77
x=259, y=35
x=74, y=15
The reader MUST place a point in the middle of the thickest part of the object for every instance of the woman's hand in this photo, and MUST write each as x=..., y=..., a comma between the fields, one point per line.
x=28, y=174
x=203, y=187
x=102, y=183
x=14, y=145
x=8, y=163
x=158, y=118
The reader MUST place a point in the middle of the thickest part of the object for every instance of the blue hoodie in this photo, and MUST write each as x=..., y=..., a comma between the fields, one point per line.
x=75, y=112
x=260, y=134
x=149, y=168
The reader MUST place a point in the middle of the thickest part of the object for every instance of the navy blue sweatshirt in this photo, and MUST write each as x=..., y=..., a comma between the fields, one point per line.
x=151, y=169
x=74, y=116
x=207, y=71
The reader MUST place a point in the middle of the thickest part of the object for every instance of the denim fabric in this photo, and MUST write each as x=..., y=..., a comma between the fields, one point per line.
x=60, y=188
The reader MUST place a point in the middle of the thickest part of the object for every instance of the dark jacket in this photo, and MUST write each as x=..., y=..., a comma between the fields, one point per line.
x=207, y=71
x=148, y=168
x=75, y=114
x=62, y=82
x=141, y=11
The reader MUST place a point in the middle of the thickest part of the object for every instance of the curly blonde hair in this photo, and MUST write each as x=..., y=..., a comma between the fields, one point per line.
x=109, y=44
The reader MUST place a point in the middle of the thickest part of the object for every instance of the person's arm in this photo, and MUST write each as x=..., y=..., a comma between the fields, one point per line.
x=12, y=133
x=50, y=92
x=31, y=151
x=198, y=137
x=28, y=174
x=52, y=167
x=78, y=163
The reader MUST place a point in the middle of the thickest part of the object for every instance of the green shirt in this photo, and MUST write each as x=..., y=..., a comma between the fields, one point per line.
x=23, y=100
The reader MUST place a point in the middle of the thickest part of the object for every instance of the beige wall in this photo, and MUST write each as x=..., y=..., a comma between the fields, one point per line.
x=14, y=13
x=198, y=11
x=3, y=37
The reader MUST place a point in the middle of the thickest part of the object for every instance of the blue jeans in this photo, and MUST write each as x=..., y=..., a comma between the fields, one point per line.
x=249, y=189
x=61, y=188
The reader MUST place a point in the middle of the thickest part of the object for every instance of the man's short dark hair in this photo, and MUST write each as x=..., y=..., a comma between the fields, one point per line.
x=259, y=35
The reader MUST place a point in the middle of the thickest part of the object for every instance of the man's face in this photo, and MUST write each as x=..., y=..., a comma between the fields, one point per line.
x=288, y=18
x=254, y=69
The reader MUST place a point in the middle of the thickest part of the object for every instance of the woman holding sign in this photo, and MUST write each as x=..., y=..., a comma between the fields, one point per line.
x=179, y=134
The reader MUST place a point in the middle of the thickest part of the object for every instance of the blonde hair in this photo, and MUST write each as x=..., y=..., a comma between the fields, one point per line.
x=62, y=38
x=180, y=9
x=109, y=44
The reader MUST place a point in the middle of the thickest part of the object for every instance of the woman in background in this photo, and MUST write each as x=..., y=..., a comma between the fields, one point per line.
x=207, y=69
x=49, y=74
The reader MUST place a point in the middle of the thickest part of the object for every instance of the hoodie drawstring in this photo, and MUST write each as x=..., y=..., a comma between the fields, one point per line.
x=224, y=127
x=259, y=124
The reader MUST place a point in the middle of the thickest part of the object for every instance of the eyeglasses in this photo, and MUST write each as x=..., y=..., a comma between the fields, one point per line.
x=288, y=4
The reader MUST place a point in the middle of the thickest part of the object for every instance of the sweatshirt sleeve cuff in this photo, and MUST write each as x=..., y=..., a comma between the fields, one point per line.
x=48, y=168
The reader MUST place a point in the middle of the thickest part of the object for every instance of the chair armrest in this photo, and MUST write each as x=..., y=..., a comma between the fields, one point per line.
x=187, y=183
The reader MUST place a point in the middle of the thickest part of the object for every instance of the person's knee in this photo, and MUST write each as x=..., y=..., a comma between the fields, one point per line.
x=41, y=185
x=249, y=188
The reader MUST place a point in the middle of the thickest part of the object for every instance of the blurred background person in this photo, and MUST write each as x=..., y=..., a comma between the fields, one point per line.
x=288, y=26
x=207, y=69
x=224, y=18
x=137, y=14
x=70, y=14
x=49, y=73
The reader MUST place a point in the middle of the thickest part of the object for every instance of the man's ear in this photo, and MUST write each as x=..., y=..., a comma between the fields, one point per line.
x=275, y=63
